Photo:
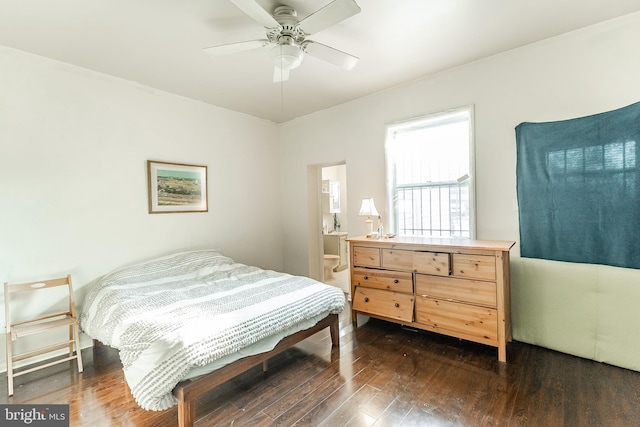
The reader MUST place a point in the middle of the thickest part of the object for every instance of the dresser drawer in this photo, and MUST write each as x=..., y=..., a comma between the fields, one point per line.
x=366, y=257
x=422, y=262
x=389, y=304
x=442, y=316
x=481, y=267
x=383, y=279
x=431, y=263
x=452, y=288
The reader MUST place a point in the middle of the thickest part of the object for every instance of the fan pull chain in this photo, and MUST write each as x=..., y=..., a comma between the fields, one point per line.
x=281, y=96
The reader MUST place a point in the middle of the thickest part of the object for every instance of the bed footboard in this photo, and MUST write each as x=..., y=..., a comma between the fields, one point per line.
x=188, y=391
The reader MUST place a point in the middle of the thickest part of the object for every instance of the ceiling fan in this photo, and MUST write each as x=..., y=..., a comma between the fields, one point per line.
x=287, y=35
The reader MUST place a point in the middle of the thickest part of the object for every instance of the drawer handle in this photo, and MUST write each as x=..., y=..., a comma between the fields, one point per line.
x=396, y=281
x=366, y=277
x=397, y=305
x=366, y=299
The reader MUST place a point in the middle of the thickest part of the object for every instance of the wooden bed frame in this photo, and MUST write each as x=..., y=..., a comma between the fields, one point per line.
x=188, y=391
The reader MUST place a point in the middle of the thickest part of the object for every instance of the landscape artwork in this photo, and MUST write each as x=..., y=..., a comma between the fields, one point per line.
x=175, y=187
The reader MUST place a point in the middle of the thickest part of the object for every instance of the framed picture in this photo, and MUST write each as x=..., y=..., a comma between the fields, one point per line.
x=176, y=187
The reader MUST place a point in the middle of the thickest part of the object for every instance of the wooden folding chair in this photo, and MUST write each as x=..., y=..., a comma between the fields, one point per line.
x=40, y=324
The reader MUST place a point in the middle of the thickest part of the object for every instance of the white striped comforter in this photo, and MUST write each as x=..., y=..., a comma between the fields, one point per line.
x=186, y=310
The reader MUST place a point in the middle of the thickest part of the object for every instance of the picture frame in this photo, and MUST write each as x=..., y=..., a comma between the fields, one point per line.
x=176, y=187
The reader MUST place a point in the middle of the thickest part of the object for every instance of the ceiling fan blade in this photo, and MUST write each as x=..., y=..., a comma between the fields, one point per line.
x=329, y=54
x=280, y=75
x=226, y=49
x=255, y=11
x=334, y=12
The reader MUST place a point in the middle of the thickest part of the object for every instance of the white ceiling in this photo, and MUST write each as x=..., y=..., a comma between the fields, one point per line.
x=159, y=43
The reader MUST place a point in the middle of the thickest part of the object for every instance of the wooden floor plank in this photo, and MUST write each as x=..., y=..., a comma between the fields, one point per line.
x=350, y=408
x=327, y=397
x=394, y=414
x=381, y=375
x=302, y=392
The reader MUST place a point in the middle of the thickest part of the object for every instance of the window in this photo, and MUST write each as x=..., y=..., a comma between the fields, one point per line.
x=430, y=175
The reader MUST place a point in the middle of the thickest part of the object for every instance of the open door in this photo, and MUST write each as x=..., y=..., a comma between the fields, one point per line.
x=328, y=249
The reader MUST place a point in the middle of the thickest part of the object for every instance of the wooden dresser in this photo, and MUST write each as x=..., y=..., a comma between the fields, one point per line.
x=457, y=287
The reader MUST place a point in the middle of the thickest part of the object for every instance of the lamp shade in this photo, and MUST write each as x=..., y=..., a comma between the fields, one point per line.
x=287, y=56
x=368, y=208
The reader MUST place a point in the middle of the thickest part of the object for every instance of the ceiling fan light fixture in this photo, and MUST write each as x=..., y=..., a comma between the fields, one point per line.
x=287, y=56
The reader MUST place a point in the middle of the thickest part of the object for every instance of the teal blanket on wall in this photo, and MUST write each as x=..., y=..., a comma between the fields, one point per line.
x=578, y=186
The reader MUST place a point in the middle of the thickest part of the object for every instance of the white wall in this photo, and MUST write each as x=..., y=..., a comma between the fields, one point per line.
x=580, y=309
x=73, y=190
x=74, y=146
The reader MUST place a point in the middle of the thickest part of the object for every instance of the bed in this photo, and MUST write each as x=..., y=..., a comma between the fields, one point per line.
x=186, y=322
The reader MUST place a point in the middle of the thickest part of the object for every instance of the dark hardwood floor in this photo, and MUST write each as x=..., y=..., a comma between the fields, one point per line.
x=381, y=375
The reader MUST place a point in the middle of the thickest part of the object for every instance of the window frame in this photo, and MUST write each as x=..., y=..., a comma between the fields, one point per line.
x=421, y=122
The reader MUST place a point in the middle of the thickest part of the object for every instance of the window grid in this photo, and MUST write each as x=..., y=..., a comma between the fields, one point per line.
x=433, y=209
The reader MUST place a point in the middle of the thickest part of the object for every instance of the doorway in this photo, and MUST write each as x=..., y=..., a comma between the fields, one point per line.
x=334, y=217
